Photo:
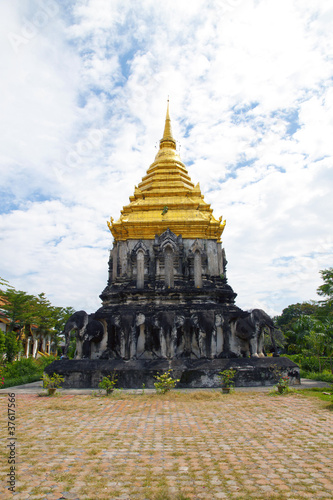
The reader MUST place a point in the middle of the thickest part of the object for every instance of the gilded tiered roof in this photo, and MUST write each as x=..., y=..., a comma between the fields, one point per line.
x=166, y=198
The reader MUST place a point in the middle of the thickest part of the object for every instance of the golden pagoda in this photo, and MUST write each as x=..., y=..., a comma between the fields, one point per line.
x=167, y=304
x=167, y=198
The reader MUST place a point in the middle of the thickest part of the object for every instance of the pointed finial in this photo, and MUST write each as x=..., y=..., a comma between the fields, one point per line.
x=167, y=129
x=167, y=138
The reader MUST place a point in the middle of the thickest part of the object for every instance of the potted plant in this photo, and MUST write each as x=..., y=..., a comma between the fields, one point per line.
x=282, y=380
x=52, y=383
x=283, y=384
x=227, y=377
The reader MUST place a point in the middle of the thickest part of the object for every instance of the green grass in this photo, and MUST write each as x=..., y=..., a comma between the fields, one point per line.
x=323, y=393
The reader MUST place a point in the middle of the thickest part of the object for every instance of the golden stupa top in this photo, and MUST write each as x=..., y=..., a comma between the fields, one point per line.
x=166, y=198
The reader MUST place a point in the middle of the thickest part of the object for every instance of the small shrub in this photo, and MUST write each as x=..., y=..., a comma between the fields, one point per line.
x=108, y=383
x=227, y=377
x=282, y=381
x=53, y=382
x=165, y=382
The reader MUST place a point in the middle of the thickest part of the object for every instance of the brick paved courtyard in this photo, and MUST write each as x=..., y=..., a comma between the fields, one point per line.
x=209, y=446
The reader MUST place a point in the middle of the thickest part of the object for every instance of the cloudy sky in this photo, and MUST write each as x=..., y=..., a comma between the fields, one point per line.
x=83, y=93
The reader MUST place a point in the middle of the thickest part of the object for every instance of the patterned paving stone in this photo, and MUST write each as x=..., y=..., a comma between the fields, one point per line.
x=248, y=446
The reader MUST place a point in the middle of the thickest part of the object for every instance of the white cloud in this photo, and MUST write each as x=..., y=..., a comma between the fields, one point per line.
x=83, y=102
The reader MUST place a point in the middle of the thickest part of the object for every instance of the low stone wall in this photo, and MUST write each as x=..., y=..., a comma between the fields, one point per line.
x=251, y=372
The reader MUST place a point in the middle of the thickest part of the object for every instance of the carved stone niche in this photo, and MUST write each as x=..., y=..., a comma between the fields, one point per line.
x=168, y=251
x=139, y=259
x=197, y=263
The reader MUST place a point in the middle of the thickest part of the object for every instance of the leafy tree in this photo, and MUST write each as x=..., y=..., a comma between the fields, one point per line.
x=60, y=316
x=26, y=311
x=18, y=307
x=294, y=324
x=43, y=314
x=319, y=339
x=293, y=312
x=3, y=282
x=297, y=334
x=326, y=290
x=308, y=326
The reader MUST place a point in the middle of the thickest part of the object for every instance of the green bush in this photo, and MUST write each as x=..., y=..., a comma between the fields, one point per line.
x=296, y=358
x=227, y=377
x=53, y=382
x=325, y=376
x=23, y=367
x=26, y=367
x=44, y=361
x=108, y=383
x=310, y=364
x=27, y=379
x=307, y=363
x=165, y=382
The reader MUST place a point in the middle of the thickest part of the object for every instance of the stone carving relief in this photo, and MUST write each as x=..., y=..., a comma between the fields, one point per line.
x=206, y=334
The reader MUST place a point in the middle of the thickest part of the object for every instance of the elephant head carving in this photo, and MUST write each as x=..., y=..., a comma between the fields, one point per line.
x=87, y=330
x=249, y=327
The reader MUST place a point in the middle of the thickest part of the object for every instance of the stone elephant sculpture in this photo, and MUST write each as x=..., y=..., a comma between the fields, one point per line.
x=247, y=333
x=87, y=330
x=168, y=325
x=204, y=334
x=126, y=335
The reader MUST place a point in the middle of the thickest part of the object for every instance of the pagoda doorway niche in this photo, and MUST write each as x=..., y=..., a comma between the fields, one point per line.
x=168, y=267
x=139, y=263
x=140, y=270
x=197, y=270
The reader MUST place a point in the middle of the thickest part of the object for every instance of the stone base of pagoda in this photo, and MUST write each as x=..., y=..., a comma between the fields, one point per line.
x=201, y=373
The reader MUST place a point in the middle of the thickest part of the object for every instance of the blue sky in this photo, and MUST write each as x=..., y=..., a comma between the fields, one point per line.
x=83, y=98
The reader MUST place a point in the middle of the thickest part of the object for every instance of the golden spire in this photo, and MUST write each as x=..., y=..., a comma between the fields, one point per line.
x=167, y=198
x=167, y=140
